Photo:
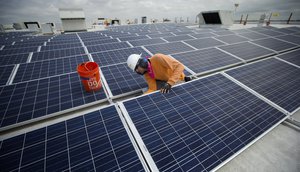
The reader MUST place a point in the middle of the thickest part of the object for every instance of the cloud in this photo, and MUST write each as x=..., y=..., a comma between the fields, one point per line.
x=47, y=11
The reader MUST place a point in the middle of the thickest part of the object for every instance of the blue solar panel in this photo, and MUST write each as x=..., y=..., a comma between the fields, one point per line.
x=60, y=46
x=117, y=56
x=146, y=42
x=5, y=72
x=48, y=55
x=224, y=32
x=290, y=38
x=204, y=43
x=183, y=33
x=247, y=51
x=106, y=47
x=200, y=124
x=274, y=79
x=96, y=141
x=31, y=100
x=160, y=35
x=134, y=38
x=168, y=48
x=121, y=79
x=17, y=51
x=14, y=59
x=203, y=35
x=254, y=35
x=293, y=57
x=101, y=41
x=270, y=32
x=275, y=44
x=231, y=39
x=178, y=38
x=42, y=69
x=206, y=60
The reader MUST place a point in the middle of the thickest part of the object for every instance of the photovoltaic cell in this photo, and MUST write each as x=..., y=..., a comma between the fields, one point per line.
x=96, y=141
x=247, y=51
x=134, y=38
x=203, y=35
x=160, y=35
x=146, y=42
x=13, y=59
x=117, y=56
x=224, y=32
x=60, y=46
x=47, y=68
x=101, y=41
x=31, y=100
x=168, y=48
x=200, y=124
x=253, y=35
x=293, y=57
x=206, y=60
x=17, y=51
x=274, y=79
x=231, y=39
x=5, y=72
x=204, y=43
x=106, y=47
x=270, y=32
x=275, y=44
x=121, y=79
x=48, y=55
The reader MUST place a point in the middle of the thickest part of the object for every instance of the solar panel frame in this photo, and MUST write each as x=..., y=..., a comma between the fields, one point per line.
x=206, y=60
x=247, y=51
x=203, y=35
x=36, y=100
x=292, y=57
x=273, y=79
x=174, y=137
x=96, y=141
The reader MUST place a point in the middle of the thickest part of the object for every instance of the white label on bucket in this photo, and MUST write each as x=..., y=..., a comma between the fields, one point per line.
x=93, y=84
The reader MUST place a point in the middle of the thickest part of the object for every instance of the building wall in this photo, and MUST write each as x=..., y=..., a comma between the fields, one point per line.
x=74, y=25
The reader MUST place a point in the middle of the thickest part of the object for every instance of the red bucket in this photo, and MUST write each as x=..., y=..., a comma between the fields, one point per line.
x=90, y=76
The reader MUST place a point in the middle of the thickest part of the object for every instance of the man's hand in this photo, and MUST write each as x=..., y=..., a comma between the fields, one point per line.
x=166, y=88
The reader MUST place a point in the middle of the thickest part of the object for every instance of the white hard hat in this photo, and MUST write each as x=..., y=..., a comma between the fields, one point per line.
x=133, y=60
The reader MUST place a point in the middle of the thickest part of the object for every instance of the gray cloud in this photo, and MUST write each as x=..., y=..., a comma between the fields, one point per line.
x=47, y=11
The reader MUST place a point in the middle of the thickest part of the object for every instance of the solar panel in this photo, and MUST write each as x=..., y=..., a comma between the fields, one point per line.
x=96, y=141
x=203, y=35
x=270, y=32
x=292, y=57
x=204, y=43
x=45, y=97
x=48, y=55
x=60, y=46
x=17, y=51
x=247, y=51
x=117, y=56
x=275, y=44
x=5, y=72
x=183, y=32
x=169, y=48
x=231, y=39
x=254, y=35
x=206, y=60
x=106, y=47
x=274, y=79
x=101, y=41
x=47, y=68
x=240, y=31
x=224, y=32
x=134, y=38
x=14, y=59
x=160, y=35
x=121, y=79
x=290, y=38
x=178, y=38
x=146, y=42
x=200, y=124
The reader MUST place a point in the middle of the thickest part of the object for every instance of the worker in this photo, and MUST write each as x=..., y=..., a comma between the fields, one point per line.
x=160, y=71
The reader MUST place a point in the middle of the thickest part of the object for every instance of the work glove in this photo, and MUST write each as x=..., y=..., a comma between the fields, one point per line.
x=166, y=88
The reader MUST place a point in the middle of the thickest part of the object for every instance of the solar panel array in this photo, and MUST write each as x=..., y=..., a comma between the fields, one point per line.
x=198, y=126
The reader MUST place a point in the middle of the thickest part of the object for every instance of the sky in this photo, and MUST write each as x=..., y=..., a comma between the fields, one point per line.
x=14, y=11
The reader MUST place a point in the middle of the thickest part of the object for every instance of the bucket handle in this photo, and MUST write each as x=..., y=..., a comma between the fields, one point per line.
x=84, y=65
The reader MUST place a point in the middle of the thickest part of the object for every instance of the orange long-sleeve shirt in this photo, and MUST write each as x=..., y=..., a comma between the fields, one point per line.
x=166, y=69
